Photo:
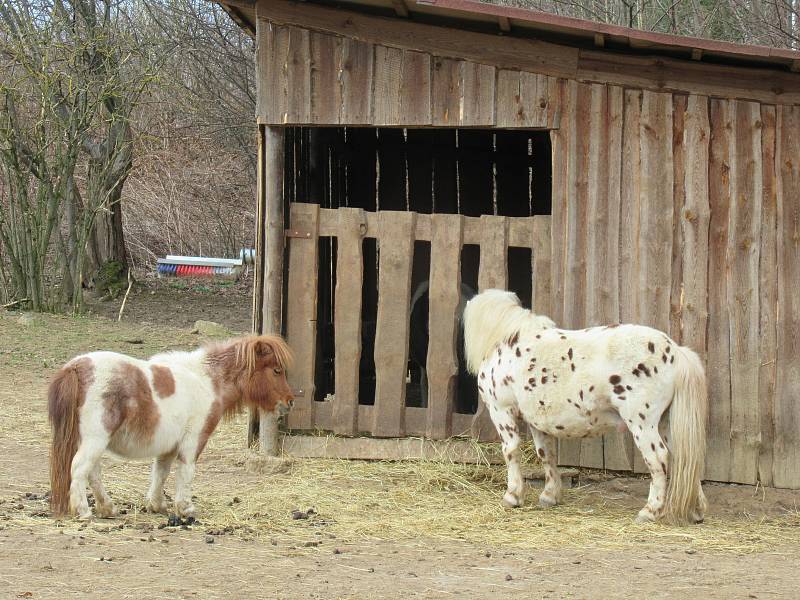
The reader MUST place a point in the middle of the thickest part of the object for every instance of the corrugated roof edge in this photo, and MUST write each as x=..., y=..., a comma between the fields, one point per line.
x=586, y=28
x=243, y=12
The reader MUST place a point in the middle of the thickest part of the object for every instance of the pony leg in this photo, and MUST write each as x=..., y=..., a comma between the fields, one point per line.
x=184, y=474
x=656, y=457
x=547, y=449
x=88, y=454
x=158, y=475
x=103, y=505
x=506, y=426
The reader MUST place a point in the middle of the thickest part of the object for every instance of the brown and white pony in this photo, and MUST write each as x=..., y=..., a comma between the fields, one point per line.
x=573, y=384
x=163, y=408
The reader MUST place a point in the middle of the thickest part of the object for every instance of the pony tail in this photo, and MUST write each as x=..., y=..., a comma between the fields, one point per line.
x=62, y=406
x=687, y=423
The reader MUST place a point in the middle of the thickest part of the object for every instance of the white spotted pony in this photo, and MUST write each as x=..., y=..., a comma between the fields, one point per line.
x=573, y=384
x=163, y=408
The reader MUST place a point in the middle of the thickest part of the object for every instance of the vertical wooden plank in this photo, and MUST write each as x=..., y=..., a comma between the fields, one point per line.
x=402, y=87
x=326, y=90
x=274, y=138
x=396, y=248
x=522, y=99
x=655, y=216
x=492, y=274
x=476, y=105
x=388, y=73
x=301, y=312
x=629, y=238
x=656, y=210
x=272, y=51
x=347, y=318
x=446, y=91
x=298, y=77
x=786, y=458
x=493, y=270
x=743, y=256
x=258, y=283
x=574, y=308
x=694, y=222
x=617, y=447
x=629, y=207
x=560, y=142
x=444, y=295
x=542, y=266
x=719, y=375
x=600, y=292
x=768, y=296
x=415, y=89
x=265, y=425
x=357, y=67
x=679, y=103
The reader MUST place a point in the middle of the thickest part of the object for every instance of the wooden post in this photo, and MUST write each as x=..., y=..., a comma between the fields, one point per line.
x=270, y=190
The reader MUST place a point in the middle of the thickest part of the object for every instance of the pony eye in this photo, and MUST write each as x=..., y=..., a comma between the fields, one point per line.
x=277, y=371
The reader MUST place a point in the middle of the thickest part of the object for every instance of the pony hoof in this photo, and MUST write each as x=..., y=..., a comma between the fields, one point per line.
x=546, y=502
x=645, y=518
x=156, y=508
x=185, y=509
x=84, y=516
x=511, y=501
x=106, y=511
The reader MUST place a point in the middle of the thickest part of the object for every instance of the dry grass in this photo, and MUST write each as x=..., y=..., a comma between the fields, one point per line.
x=352, y=500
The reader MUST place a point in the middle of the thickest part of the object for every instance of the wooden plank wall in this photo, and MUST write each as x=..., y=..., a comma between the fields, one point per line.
x=690, y=206
x=322, y=78
x=678, y=211
x=397, y=230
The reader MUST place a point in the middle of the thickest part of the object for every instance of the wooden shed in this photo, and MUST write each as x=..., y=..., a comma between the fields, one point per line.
x=605, y=174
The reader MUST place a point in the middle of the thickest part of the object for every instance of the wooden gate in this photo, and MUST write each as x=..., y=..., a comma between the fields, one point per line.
x=396, y=232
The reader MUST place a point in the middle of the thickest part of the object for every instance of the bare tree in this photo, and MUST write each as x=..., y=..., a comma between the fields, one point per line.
x=75, y=75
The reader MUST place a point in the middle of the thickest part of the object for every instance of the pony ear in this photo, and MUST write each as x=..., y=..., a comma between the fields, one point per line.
x=264, y=349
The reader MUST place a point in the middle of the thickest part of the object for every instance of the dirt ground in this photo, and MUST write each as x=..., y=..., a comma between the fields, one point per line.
x=378, y=530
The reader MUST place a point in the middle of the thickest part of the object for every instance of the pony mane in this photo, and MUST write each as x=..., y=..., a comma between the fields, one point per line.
x=492, y=317
x=246, y=350
x=241, y=353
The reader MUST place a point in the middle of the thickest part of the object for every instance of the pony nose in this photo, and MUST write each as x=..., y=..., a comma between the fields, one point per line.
x=291, y=402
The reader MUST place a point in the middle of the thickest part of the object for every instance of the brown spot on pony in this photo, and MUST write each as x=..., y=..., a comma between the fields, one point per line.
x=163, y=381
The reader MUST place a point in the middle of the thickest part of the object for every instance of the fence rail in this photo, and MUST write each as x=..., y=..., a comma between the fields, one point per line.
x=396, y=232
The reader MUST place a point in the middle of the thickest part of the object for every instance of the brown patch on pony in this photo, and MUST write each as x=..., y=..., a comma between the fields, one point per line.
x=128, y=402
x=651, y=346
x=540, y=452
x=212, y=420
x=65, y=397
x=614, y=379
x=514, y=339
x=163, y=381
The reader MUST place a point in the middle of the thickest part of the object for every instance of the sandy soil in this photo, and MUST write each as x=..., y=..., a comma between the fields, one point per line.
x=748, y=548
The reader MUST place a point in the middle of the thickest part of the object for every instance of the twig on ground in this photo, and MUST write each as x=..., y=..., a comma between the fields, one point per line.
x=125, y=299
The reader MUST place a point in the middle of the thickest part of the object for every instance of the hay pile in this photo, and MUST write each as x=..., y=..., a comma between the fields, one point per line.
x=407, y=500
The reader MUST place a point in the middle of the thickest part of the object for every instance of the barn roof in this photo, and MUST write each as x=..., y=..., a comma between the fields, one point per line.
x=526, y=23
